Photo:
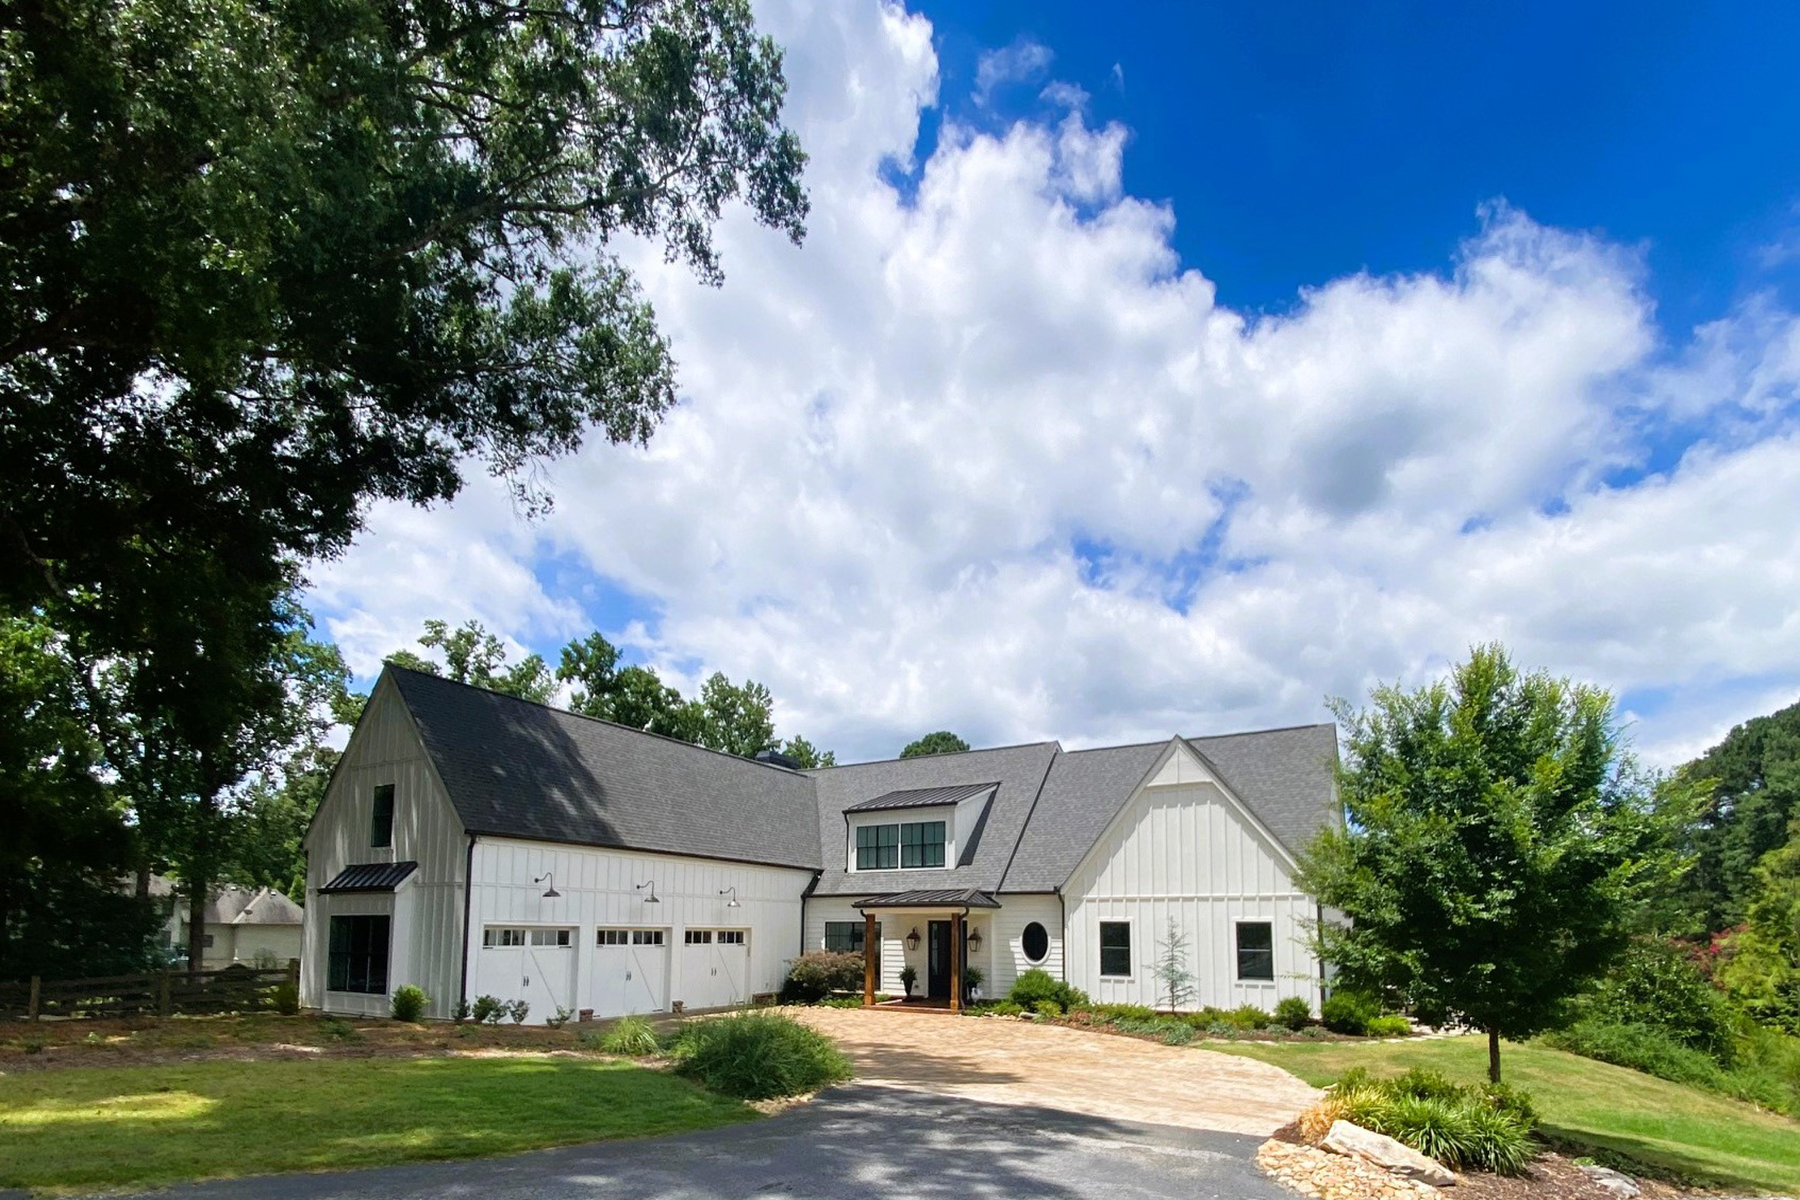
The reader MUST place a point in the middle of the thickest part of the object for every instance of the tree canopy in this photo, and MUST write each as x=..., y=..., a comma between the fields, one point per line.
x=1496, y=841
x=1754, y=775
x=941, y=742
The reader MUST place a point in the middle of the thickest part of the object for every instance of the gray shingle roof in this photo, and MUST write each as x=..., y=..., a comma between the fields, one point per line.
x=1019, y=770
x=518, y=769
x=922, y=797
x=1284, y=776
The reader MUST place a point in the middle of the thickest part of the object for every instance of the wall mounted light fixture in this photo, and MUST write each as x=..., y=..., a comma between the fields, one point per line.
x=550, y=893
x=912, y=939
x=651, y=884
x=974, y=939
x=733, y=902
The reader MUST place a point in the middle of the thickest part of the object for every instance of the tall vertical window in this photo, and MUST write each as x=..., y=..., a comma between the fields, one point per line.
x=1256, y=950
x=358, y=957
x=922, y=844
x=381, y=821
x=1115, y=949
x=877, y=847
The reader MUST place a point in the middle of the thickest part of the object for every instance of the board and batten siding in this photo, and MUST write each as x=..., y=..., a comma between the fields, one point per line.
x=1183, y=848
x=426, y=931
x=599, y=890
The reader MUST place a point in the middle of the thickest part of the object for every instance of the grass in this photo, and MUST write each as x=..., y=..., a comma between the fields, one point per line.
x=1618, y=1115
x=90, y=1127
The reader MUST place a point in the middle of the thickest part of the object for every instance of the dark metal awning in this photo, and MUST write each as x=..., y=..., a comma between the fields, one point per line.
x=922, y=797
x=370, y=877
x=932, y=898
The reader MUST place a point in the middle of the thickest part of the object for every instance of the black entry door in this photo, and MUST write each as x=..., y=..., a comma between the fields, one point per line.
x=937, y=960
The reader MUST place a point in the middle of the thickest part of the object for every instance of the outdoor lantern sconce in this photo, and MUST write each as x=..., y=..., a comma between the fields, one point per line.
x=731, y=903
x=550, y=893
x=974, y=939
x=912, y=939
x=651, y=884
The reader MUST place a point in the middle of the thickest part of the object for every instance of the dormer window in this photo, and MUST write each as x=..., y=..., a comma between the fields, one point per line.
x=909, y=846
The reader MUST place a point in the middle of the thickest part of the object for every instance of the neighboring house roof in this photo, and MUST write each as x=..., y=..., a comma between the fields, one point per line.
x=370, y=877
x=234, y=905
x=518, y=769
x=1015, y=773
x=1283, y=776
x=932, y=898
x=922, y=797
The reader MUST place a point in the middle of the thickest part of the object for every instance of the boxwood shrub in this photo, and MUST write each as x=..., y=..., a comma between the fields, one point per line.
x=758, y=1056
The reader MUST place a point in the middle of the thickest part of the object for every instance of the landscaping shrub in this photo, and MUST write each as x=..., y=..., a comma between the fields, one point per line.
x=997, y=1008
x=1177, y=1033
x=1768, y=1072
x=460, y=1013
x=1656, y=982
x=758, y=1056
x=1293, y=1012
x=518, y=1010
x=814, y=976
x=1388, y=1025
x=630, y=1036
x=1459, y=1126
x=408, y=1002
x=1036, y=985
x=488, y=1010
x=561, y=1018
x=1248, y=1017
x=1047, y=1008
x=1108, y=1013
x=284, y=998
x=841, y=1002
x=1348, y=1012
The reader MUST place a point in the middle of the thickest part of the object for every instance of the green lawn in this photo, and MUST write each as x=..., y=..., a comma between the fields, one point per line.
x=111, y=1126
x=1689, y=1133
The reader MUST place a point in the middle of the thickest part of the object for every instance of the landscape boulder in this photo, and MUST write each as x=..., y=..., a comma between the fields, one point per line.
x=1616, y=1182
x=1396, y=1158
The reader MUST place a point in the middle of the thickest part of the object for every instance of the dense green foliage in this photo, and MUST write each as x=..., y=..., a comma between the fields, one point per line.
x=1657, y=983
x=1496, y=845
x=1761, y=963
x=819, y=973
x=1037, y=985
x=1765, y=1071
x=1348, y=1011
x=631, y=1037
x=758, y=1056
x=1294, y=1012
x=1460, y=1126
x=408, y=1002
x=1754, y=776
x=941, y=742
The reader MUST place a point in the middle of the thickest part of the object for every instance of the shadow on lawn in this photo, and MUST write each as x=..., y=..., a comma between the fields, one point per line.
x=1651, y=1160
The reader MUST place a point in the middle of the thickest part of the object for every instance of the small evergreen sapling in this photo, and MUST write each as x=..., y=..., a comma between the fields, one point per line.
x=1171, y=971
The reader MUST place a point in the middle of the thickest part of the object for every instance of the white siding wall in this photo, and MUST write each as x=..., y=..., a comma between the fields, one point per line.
x=994, y=958
x=1182, y=848
x=598, y=891
x=426, y=932
x=1009, y=961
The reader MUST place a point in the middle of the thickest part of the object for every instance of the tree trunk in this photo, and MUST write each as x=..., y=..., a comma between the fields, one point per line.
x=1493, y=1056
x=197, y=890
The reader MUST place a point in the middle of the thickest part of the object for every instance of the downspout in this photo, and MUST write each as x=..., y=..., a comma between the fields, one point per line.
x=1062, y=902
x=468, y=896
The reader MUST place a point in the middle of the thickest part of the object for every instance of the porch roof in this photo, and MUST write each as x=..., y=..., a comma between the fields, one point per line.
x=370, y=877
x=932, y=898
x=923, y=797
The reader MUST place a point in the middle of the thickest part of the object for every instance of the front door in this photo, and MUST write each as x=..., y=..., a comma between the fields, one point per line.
x=937, y=961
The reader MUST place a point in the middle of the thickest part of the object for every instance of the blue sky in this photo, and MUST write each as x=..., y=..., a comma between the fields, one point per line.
x=1175, y=372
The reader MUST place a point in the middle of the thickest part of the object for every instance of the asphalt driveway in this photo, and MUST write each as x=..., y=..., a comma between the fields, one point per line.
x=850, y=1143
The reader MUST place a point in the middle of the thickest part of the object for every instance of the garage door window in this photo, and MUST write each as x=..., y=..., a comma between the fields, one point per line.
x=698, y=937
x=1115, y=949
x=553, y=937
x=646, y=937
x=731, y=937
x=493, y=937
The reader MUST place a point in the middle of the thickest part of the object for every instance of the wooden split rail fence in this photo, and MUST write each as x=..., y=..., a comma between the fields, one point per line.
x=236, y=988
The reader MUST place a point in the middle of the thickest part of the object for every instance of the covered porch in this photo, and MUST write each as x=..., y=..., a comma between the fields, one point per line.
x=941, y=933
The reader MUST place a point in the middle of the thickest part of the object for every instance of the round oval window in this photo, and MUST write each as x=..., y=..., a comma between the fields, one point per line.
x=1037, y=942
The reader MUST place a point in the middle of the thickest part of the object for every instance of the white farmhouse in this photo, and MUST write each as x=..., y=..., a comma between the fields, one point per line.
x=476, y=844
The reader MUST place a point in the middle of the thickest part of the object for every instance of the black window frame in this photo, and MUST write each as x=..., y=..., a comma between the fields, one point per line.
x=1025, y=942
x=1264, y=955
x=1115, y=950
x=878, y=847
x=357, y=958
x=925, y=841
x=381, y=817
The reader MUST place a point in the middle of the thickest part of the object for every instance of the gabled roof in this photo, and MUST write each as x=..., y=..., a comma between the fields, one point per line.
x=1283, y=776
x=923, y=797
x=1015, y=773
x=514, y=768
x=234, y=905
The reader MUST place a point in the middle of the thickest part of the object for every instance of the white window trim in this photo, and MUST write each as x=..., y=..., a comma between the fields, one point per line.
x=949, y=862
x=1237, y=960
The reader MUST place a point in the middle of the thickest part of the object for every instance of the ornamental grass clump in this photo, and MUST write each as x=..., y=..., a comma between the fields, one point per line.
x=631, y=1037
x=758, y=1056
x=1486, y=1128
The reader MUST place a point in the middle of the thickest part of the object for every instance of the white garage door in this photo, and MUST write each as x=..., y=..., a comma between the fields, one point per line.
x=631, y=972
x=535, y=965
x=715, y=968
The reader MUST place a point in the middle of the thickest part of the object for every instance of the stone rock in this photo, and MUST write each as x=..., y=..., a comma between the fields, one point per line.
x=1619, y=1184
x=1394, y=1157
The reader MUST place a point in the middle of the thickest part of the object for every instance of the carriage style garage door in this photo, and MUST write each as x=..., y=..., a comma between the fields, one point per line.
x=531, y=964
x=715, y=968
x=631, y=972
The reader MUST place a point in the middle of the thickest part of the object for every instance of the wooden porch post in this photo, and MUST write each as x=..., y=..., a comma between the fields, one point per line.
x=868, y=959
x=956, y=954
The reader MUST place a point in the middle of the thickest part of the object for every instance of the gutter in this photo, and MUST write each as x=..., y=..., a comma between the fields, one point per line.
x=468, y=897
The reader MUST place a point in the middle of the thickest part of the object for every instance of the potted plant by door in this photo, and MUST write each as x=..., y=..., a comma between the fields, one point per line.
x=909, y=975
x=972, y=979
